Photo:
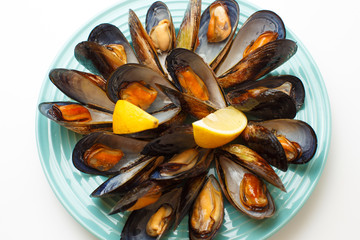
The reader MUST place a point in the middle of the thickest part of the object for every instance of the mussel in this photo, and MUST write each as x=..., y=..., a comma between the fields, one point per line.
x=269, y=98
x=77, y=117
x=153, y=221
x=83, y=87
x=252, y=161
x=207, y=213
x=191, y=75
x=258, y=23
x=105, y=50
x=218, y=24
x=244, y=190
x=104, y=153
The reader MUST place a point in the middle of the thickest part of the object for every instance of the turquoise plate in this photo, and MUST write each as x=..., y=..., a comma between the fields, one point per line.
x=72, y=187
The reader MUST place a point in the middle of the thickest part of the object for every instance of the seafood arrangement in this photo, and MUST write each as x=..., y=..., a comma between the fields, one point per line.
x=180, y=74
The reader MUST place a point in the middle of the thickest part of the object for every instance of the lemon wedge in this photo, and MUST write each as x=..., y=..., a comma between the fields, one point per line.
x=219, y=128
x=129, y=118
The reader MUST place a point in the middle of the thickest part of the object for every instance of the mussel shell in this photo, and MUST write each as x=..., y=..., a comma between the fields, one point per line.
x=252, y=161
x=258, y=63
x=179, y=58
x=80, y=87
x=143, y=46
x=204, y=159
x=269, y=104
x=135, y=226
x=254, y=26
x=213, y=53
x=95, y=58
x=123, y=182
x=297, y=91
x=129, y=146
x=265, y=143
x=230, y=175
x=189, y=28
x=162, y=108
x=193, y=234
x=107, y=33
x=296, y=131
x=101, y=119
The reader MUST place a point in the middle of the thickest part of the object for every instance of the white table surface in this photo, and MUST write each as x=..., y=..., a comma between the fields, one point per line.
x=33, y=33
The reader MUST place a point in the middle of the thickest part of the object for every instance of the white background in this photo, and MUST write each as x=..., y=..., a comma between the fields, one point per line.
x=32, y=34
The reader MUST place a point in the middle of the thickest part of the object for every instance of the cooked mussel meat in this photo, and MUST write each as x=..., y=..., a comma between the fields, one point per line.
x=207, y=213
x=138, y=93
x=219, y=27
x=70, y=113
x=101, y=157
x=263, y=39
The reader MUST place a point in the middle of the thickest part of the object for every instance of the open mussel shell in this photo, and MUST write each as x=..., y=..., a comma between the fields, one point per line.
x=265, y=143
x=101, y=120
x=130, y=148
x=124, y=181
x=253, y=162
x=105, y=50
x=230, y=176
x=162, y=107
x=269, y=98
x=143, y=46
x=296, y=131
x=207, y=212
x=213, y=52
x=106, y=34
x=258, y=23
x=83, y=87
x=258, y=63
x=186, y=164
x=159, y=12
x=180, y=59
x=137, y=224
x=188, y=33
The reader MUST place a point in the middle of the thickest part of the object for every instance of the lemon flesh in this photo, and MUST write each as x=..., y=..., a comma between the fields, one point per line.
x=128, y=118
x=219, y=128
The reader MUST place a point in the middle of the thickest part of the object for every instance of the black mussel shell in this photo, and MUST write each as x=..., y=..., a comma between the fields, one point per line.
x=265, y=143
x=135, y=226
